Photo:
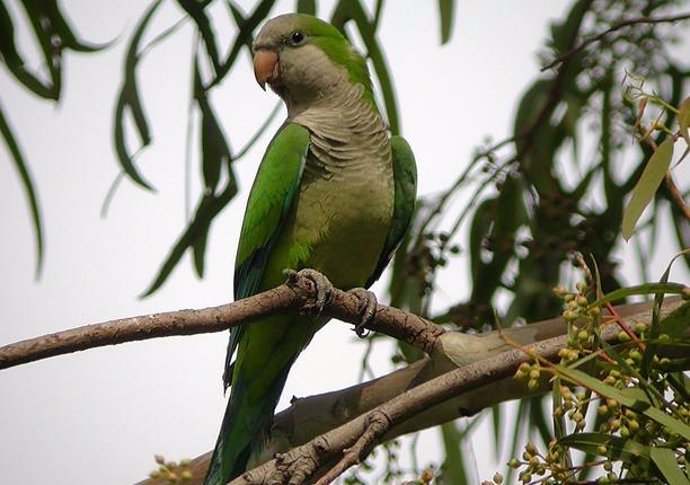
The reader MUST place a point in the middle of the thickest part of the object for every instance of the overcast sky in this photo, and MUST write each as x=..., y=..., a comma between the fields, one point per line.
x=99, y=416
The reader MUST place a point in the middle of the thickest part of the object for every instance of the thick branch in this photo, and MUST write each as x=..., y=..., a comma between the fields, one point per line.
x=354, y=439
x=313, y=416
x=296, y=295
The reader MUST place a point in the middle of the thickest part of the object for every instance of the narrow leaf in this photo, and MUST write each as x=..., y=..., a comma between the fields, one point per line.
x=244, y=36
x=646, y=187
x=27, y=183
x=306, y=6
x=14, y=61
x=446, y=9
x=368, y=33
x=665, y=461
x=208, y=209
x=616, y=448
x=129, y=98
x=578, y=377
x=195, y=9
x=684, y=119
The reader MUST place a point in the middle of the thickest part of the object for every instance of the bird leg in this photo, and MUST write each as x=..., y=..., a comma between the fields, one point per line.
x=323, y=287
x=367, y=309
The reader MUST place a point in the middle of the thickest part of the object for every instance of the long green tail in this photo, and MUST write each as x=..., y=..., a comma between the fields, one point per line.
x=245, y=424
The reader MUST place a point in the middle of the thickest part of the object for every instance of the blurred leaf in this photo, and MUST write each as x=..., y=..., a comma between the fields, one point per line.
x=244, y=36
x=677, y=322
x=306, y=6
x=644, y=289
x=15, y=63
x=199, y=251
x=684, y=119
x=665, y=461
x=647, y=185
x=578, y=377
x=538, y=420
x=28, y=185
x=129, y=98
x=446, y=10
x=453, y=467
x=353, y=10
x=196, y=11
x=616, y=448
x=564, y=32
x=496, y=422
x=209, y=207
x=215, y=151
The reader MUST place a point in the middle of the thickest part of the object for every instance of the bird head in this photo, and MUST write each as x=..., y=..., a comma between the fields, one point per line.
x=303, y=58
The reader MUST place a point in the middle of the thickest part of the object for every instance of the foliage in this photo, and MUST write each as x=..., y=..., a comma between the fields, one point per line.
x=641, y=428
x=567, y=178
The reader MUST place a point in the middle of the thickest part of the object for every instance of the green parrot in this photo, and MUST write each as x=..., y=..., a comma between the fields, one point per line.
x=333, y=193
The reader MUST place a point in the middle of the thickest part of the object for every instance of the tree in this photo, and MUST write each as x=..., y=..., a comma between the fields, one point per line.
x=533, y=202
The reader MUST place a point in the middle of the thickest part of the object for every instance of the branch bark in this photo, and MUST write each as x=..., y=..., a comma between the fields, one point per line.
x=297, y=294
x=462, y=375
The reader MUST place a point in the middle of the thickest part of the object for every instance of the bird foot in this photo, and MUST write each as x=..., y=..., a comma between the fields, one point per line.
x=367, y=309
x=323, y=287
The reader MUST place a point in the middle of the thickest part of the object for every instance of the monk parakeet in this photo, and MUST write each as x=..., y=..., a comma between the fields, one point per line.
x=333, y=192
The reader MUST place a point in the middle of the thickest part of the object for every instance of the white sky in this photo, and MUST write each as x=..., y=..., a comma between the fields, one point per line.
x=99, y=416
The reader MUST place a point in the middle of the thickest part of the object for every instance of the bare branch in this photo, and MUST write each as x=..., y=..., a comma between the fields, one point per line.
x=677, y=196
x=297, y=295
x=620, y=25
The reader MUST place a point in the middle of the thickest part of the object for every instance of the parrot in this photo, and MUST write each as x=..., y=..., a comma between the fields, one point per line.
x=334, y=193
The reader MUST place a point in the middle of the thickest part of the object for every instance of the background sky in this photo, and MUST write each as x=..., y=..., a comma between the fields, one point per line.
x=100, y=416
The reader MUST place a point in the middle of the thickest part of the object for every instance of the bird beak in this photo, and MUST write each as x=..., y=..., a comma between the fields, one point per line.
x=265, y=66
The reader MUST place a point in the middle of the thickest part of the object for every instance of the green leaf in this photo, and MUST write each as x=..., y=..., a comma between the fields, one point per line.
x=195, y=9
x=27, y=183
x=244, y=36
x=644, y=289
x=616, y=448
x=129, y=99
x=677, y=322
x=199, y=251
x=446, y=10
x=208, y=209
x=646, y=187
x=15, y=63
x=665, y=461
x=684, y=119
x=306, y=6
x=352, y=9
x=626, y=399
x=453, y=467
x=215, y=151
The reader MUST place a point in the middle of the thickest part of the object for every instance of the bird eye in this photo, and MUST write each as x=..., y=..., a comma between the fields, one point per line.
x=297, y=38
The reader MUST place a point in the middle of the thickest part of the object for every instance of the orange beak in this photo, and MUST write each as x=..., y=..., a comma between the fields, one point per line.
x=265, y=67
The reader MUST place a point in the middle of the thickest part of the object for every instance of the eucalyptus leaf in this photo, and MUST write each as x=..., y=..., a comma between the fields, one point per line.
x=647, y=185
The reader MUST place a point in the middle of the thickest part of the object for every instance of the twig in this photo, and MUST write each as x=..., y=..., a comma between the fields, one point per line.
x=297, y=295
x=626, y=23
x=677, y=196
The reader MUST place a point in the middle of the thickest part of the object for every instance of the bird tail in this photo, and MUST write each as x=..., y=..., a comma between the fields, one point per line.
x=246, y=424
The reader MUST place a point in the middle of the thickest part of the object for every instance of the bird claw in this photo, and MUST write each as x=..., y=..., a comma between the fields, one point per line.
x=323, y=287
x=367, y=309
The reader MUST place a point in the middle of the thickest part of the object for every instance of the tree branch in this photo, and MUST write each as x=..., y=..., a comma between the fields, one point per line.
x=356, y=438
x=626, y=23
x=474, y=355
x=297, y=294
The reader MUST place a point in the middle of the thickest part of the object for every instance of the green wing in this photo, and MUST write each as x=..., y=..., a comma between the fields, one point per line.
x=276, y=184
x=405, y=175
